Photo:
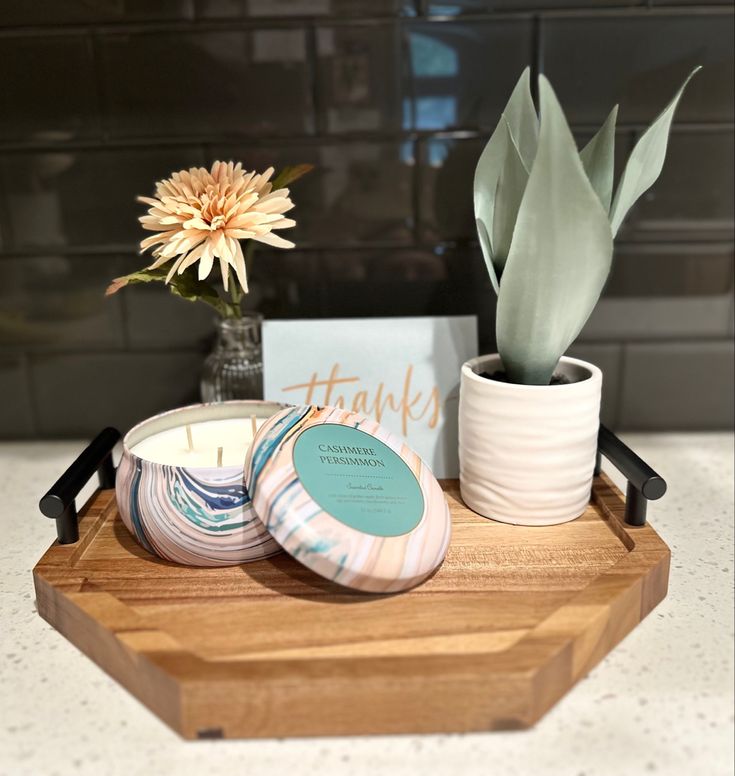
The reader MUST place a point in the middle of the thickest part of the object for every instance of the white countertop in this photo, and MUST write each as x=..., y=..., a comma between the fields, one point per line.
x=662, y=702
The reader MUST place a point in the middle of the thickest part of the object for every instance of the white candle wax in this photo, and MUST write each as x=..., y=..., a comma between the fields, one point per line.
x=171, y=447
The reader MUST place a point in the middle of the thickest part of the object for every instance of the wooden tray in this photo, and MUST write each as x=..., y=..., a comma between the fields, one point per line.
x=508, y=624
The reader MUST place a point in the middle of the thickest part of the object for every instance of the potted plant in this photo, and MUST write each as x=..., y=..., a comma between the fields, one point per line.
x=198, y=218
x=546, y=218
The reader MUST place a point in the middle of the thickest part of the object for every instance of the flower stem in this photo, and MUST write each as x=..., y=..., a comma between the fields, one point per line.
x=236, y=297
x=249, y=252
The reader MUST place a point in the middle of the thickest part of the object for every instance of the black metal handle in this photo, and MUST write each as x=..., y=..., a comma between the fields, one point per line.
x=644, y=484
x=58, y=503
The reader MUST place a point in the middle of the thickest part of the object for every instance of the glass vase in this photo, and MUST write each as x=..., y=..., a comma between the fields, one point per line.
x=234, y=369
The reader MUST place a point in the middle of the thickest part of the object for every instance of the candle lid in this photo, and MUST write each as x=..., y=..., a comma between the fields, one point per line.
x=347, y=498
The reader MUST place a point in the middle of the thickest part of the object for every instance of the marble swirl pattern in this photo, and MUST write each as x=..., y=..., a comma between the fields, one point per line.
x=323, y=543
x=195, y=517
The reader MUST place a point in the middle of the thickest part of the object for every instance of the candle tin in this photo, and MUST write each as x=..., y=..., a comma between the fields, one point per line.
x=199, y=516
x=348, y=498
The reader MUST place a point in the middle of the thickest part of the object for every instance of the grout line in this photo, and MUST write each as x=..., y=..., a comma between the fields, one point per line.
x=322, y=290
x=81, y=251
x=133, y=142
x=102, y=111
x=408, y=92
x=124, y=321
x=319, y=123
x=7, y=232
x=609, y=12
x=416, y=189
x=132, y=249
x=207, y=154
x=238, y=23
x=81, y=349
x=198, y=10
x=30, y=392
x=621, y=383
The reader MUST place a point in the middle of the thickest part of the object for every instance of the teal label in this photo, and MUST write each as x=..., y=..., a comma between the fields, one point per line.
x=358, y=480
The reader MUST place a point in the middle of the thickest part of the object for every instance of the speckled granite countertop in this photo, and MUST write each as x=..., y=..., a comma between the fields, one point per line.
x=662, y=702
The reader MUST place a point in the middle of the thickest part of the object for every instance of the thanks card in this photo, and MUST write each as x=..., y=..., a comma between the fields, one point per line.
x=404, y=372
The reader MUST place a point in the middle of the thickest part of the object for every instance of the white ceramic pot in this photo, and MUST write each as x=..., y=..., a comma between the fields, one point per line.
x=527, y=452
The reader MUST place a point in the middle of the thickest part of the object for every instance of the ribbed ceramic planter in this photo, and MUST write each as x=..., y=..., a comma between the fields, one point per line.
x=196, y=516
x=527, y=452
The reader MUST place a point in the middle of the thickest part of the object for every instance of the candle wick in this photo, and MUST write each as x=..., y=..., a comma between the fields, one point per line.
x=189, y=438
x=219, y=456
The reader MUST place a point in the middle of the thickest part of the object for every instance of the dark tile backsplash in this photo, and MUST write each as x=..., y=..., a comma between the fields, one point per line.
x=629, y=319
x=654, y=270
x=54, y=302
x=53, y=12
x=253, y=81
x=458, y=7
x=359, y=192
x=39, y=100
x=461, y=73
x=82, y=197
x=360, y=77
x=609, y=357
x=639, y=60
x=16, y=413
x=678, y=385
x=694, y=195
x=392, y=101
x=447, y=164
x=228, y=9
x=155, y=319
x=124, y=388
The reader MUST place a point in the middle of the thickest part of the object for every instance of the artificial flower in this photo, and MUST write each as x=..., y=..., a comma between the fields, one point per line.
x=200, y=215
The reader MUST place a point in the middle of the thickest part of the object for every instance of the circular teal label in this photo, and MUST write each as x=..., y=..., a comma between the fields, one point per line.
x=358, y=480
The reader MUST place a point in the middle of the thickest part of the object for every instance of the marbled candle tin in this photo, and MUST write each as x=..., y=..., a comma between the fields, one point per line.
x=347, y=498
x=194, y=516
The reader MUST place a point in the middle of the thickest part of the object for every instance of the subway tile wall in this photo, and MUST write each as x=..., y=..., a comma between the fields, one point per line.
x=392, y=100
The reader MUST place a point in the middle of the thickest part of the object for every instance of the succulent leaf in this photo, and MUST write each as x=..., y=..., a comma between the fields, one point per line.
x=559, y=257
x=598, y=158
x=521, y=117
x=645, y=162
x=487, y=253
x=509, y=193
x=520, y=114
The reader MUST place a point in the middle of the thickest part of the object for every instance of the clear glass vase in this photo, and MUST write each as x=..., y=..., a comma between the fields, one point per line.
x=234, y=369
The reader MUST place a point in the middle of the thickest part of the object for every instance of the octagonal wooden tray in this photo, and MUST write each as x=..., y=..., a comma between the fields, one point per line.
x=500, y=633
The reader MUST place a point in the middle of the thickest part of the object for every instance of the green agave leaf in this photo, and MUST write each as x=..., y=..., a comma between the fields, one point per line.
x=598, y=158
x=509, y=193
x=487, y=253
x=520, y=116
x=559, y=258
x=646, y=161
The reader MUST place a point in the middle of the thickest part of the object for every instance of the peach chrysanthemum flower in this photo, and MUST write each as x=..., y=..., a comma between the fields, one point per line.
x=200, y=215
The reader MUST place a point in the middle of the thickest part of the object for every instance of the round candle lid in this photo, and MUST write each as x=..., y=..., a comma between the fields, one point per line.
x=347, y=498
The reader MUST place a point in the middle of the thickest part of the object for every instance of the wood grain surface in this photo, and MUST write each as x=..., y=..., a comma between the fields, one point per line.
x=513, y=618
